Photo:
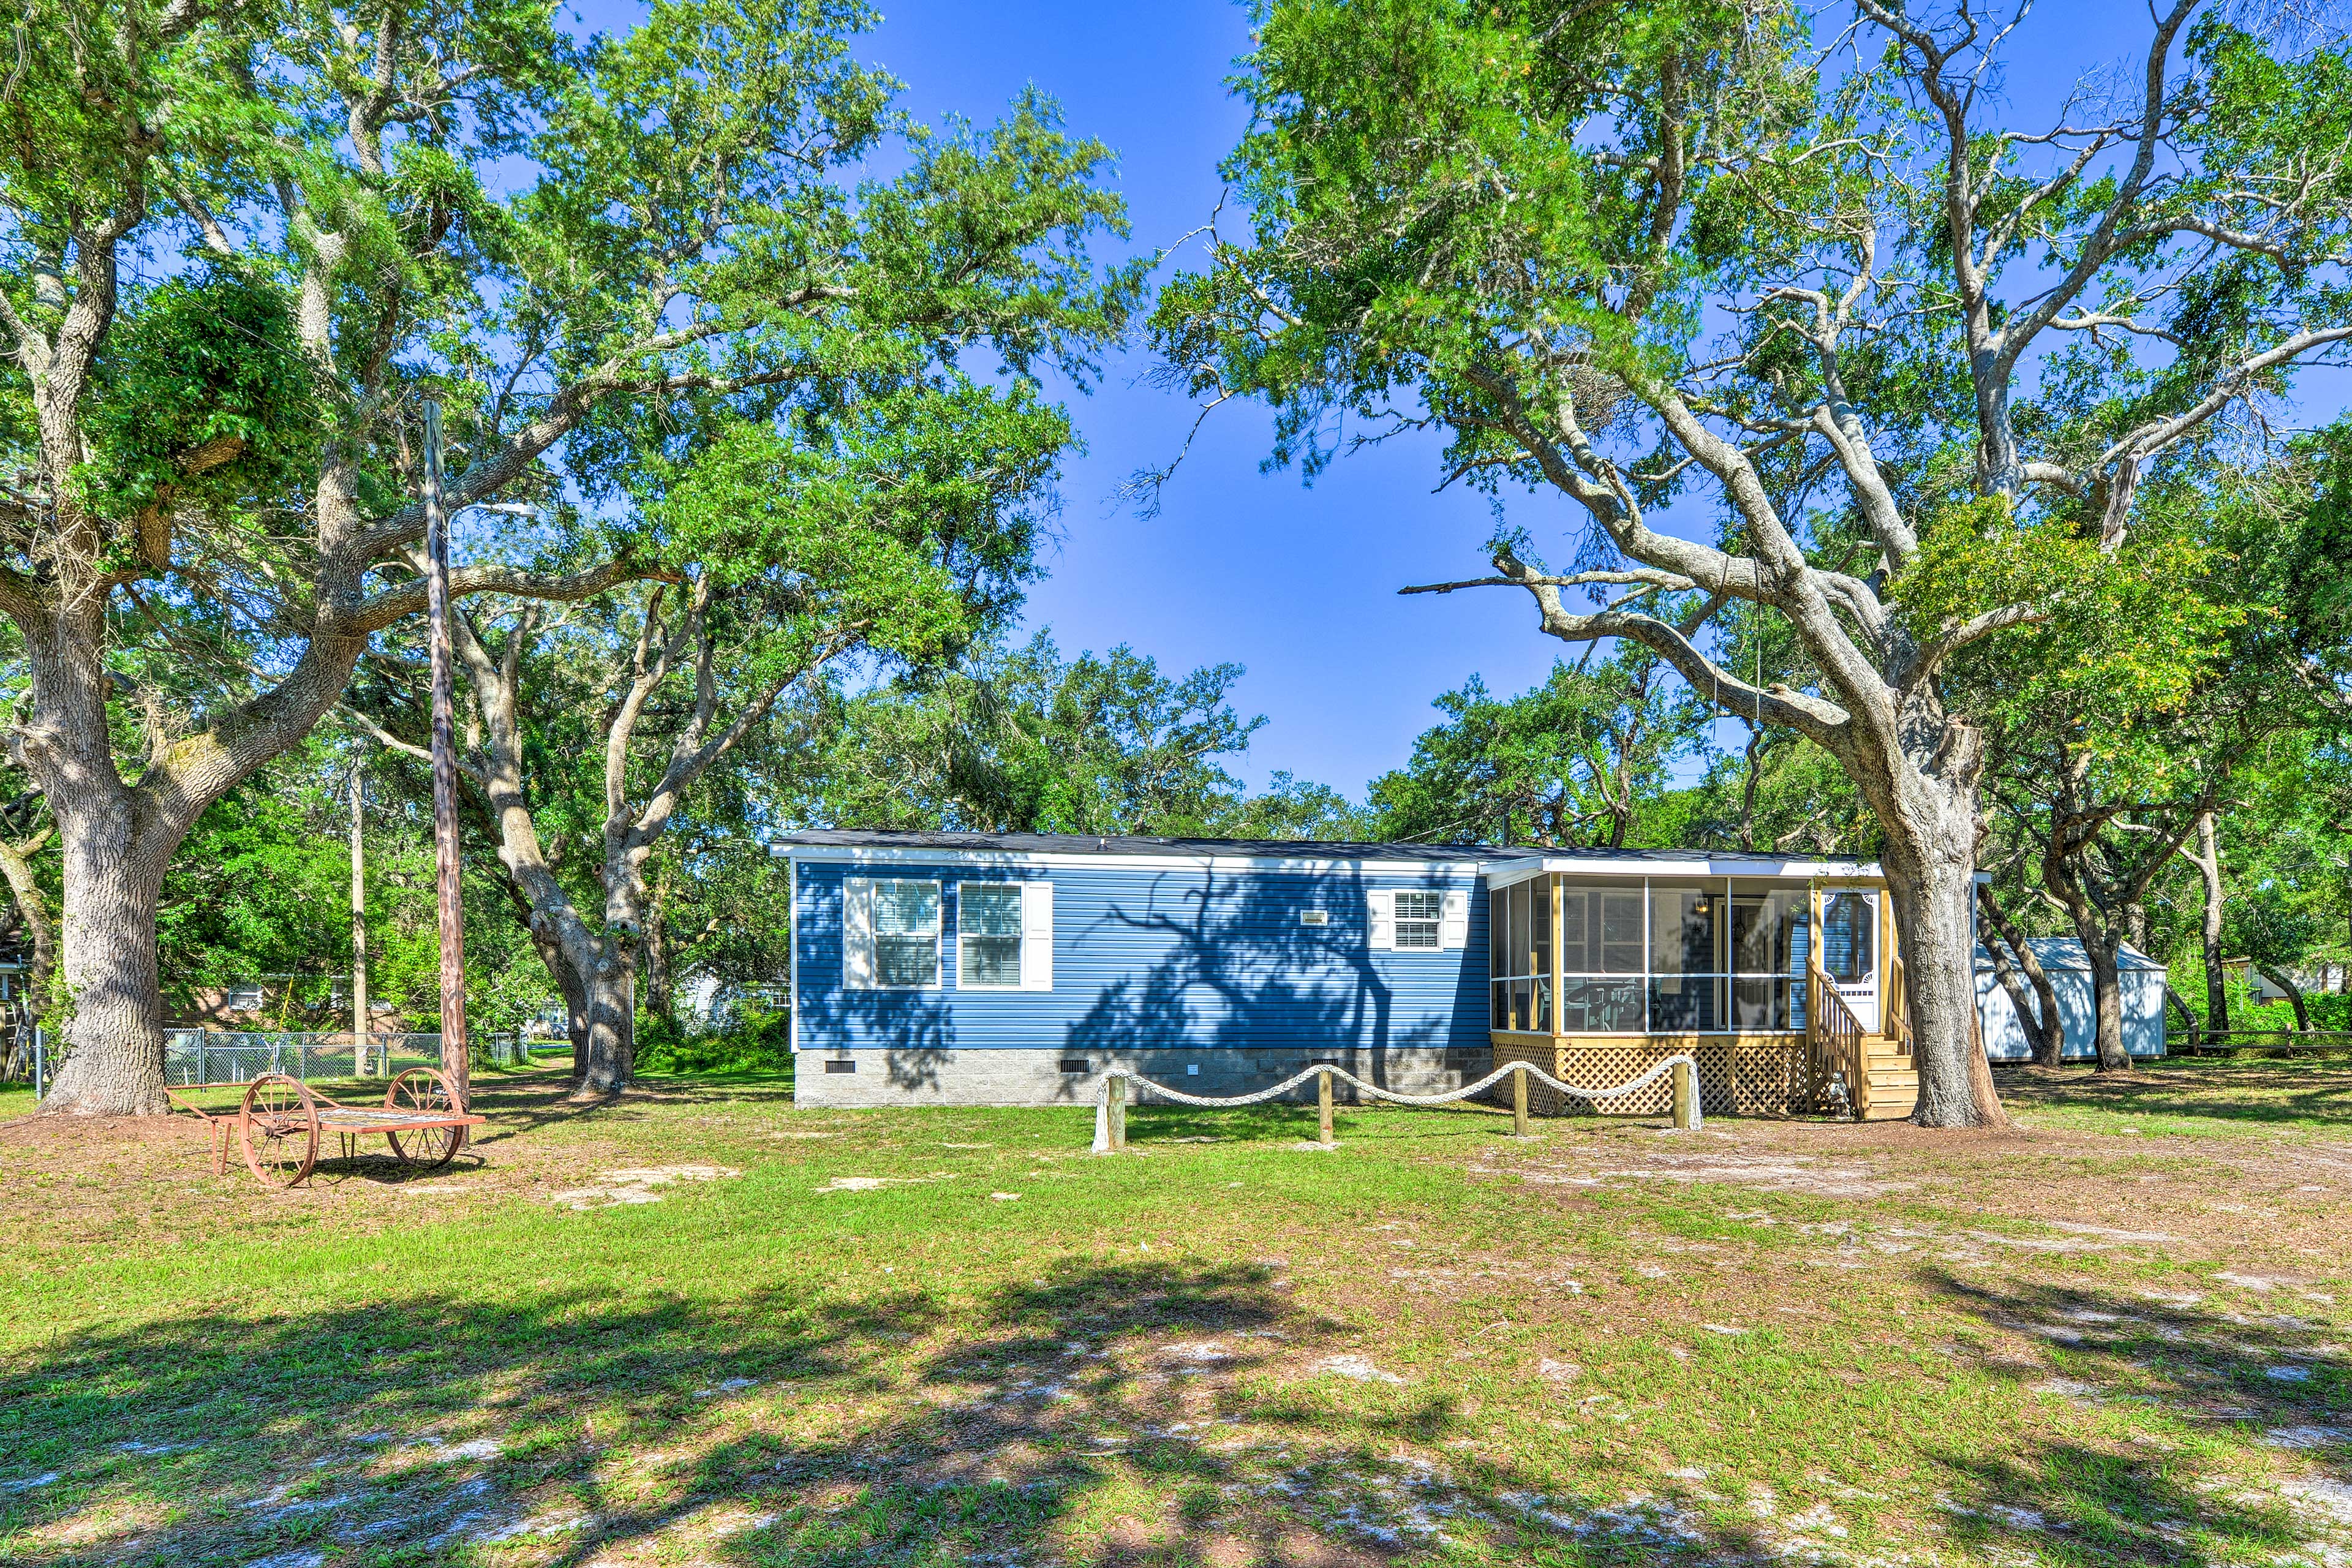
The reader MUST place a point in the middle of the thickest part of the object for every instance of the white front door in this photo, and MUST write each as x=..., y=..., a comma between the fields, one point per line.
x=1850, y=950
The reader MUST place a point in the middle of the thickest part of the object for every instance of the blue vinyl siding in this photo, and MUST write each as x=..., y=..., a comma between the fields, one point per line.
x=1158, y=957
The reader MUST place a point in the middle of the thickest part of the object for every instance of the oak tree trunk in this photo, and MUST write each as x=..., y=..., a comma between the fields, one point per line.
x=610, y=1058
x=2045, y=1030
x=1933, y=885
x=1922, y=786
x=113, y=1027
x=2279, y=977
x=2208, y=861
x=2104, y=951
x=2022, y=1000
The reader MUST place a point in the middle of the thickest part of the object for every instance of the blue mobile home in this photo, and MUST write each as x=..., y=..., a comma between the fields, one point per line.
x=1014, y=968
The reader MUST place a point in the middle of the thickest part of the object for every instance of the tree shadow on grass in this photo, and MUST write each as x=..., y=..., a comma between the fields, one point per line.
x=1100, y=1413
x=1275, y=1121
x=522, y=1105
x=2294, y=1091
x=2185, y=1385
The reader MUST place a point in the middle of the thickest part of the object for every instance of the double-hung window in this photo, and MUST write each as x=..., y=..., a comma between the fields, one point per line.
x=906, y=935
x=988, y=936
x=1412, y=919
x=892, y=935
x=1417, y=918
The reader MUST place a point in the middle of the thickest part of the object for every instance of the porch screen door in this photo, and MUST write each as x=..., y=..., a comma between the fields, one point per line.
x=1850, y=950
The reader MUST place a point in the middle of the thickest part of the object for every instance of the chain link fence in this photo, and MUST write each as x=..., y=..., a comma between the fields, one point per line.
x=194, y=1057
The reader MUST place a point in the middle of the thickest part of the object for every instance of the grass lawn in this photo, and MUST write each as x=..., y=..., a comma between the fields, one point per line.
x=699, y=1326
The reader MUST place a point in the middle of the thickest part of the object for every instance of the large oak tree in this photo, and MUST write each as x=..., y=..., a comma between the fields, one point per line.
x=1890, y=353
x=241, y=239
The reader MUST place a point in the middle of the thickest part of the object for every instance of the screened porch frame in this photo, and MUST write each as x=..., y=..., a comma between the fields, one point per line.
x=1547, y=889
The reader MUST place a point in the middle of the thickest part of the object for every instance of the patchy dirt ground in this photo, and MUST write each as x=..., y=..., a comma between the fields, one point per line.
x=699, y=1326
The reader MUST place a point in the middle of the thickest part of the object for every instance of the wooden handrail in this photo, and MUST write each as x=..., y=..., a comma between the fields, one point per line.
x=1832, y=1041
x=1897, y=1010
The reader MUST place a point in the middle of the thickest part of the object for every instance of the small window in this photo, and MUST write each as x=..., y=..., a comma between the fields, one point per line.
x=1417, y=918
x=905, y=934
x=988, y=935
x=245, y=999
x=1315, y=917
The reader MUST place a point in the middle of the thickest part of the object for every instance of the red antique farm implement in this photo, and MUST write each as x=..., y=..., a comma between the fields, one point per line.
x=280, y=1119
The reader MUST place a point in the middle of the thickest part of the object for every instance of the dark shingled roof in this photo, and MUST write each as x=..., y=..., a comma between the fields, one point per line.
x=1308, y=848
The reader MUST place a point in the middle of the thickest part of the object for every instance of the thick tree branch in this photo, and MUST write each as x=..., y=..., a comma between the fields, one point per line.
x=408, y=599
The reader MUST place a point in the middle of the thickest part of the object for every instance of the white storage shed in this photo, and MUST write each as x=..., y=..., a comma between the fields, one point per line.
x=2063, y=960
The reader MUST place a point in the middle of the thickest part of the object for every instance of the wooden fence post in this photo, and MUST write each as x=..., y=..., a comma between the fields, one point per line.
x=1323, y=1104
x=1117, y=1090
x=1520, y=1100
x=1685, y=1096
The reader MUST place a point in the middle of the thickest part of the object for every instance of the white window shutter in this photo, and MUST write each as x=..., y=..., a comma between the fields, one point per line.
x=1037, y=935
x=1380, y=904
x=1453, y=922
x=857, y=934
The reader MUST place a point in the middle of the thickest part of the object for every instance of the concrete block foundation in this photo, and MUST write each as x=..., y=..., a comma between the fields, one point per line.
x=878, y=1078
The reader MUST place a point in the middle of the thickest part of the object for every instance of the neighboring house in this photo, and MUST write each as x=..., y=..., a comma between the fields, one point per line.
x=247, y=1004
x=260, y=1005
x=1013, y=969
x=2140, y=979
x=706, y=1003
x=2260, y=987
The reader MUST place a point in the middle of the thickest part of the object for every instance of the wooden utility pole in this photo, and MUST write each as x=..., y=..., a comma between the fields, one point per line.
x=359, y=928
x=444, y=765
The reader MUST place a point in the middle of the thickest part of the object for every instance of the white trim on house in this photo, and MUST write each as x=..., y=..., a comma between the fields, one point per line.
x=857, y=933
x=1454, y=921
x=867, y=854
x=1036, y=933
x=1504, y=873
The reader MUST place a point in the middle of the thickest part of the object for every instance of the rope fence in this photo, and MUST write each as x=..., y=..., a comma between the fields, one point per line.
x=1111, y=1098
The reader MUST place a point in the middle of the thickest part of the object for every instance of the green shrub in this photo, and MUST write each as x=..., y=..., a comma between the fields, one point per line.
x=758, y=1040
x=2328, y=1010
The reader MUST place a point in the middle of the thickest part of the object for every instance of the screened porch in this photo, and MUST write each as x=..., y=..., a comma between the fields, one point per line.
x=1597, y=976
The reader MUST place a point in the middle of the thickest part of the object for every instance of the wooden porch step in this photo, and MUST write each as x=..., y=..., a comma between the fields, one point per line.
x=1886, y=1095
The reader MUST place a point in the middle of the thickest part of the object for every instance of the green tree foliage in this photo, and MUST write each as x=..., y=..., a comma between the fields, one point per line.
x=886, y=533
x=610, y=258
x=260, y=896
x=1293, y=808
x=1582, y=761
x=1775, y=795
x=1021, y=740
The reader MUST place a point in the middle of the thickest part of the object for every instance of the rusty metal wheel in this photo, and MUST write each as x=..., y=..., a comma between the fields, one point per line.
x=424, y=1091
x=279, y=1127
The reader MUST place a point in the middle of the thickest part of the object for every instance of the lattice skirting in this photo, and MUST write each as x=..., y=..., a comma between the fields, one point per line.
x=1763, y=1077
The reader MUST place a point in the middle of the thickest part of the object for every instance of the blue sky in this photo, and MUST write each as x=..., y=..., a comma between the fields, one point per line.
x=1297, y=583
